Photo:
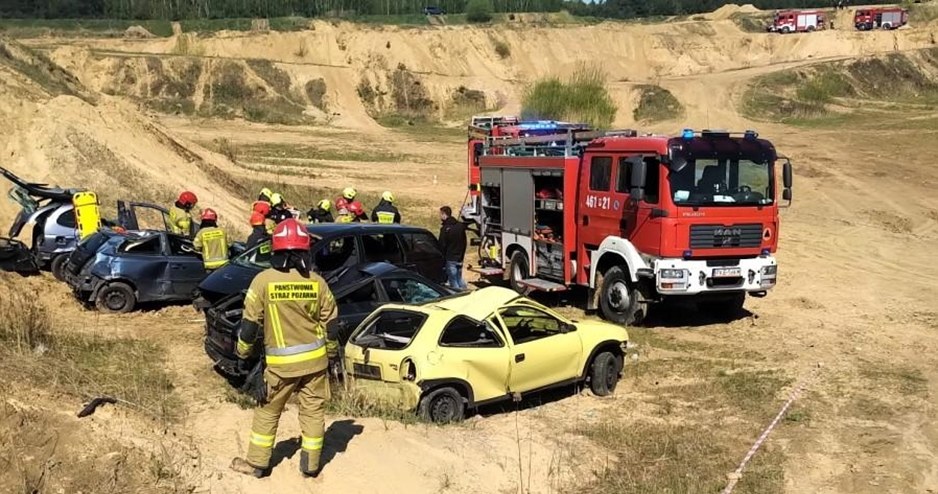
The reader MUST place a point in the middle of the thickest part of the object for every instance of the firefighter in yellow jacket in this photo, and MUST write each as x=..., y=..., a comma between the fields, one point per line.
x=211, y=241
x=180, y=215
x=293, y=306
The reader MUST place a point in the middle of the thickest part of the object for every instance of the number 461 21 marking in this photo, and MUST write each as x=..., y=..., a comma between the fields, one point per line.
x=597, y=202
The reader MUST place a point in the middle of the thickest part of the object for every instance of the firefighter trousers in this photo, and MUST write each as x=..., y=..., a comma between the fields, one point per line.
x=312, y=392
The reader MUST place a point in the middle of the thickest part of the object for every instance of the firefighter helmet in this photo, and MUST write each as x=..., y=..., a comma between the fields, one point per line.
x=209, y=215
x=349, y=193
x=325, y=204
x=265, y=192
x=276, y=199
x=290, y=235
x=187, y=199
x=387, y=196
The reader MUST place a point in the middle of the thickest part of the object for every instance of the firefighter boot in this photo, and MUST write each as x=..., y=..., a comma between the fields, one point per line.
x=306, y=469
x=241, y=465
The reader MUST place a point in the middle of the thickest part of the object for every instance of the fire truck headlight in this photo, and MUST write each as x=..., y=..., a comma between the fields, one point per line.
x=770, y=270
x=672, y=274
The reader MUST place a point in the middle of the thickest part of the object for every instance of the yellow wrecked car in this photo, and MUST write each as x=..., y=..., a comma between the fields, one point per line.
x=443, y=357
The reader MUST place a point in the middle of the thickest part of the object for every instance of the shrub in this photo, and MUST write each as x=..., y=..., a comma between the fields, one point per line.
x=502, y=49
x=479, y=11
x=657, y=104
x=581, y=98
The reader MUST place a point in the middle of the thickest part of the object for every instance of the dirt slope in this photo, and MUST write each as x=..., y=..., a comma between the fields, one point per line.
x=59, y=132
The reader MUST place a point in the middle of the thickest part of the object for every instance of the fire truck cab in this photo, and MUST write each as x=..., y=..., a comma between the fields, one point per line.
x=634, y=219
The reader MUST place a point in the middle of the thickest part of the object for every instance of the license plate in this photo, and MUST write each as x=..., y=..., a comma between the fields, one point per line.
x=725, y=272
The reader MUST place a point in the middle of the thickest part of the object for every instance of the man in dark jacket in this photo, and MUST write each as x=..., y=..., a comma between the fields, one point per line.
x=386, y=212
x=453, y=243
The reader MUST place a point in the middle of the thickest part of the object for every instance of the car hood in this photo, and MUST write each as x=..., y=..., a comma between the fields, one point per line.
x=597, y=331
x=230, y=279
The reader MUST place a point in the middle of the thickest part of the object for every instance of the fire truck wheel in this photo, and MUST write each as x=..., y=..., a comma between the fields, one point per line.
x=518, y=270
x=619, y=299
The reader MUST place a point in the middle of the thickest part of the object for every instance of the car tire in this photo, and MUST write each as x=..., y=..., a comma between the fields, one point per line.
x=518, y=270
x=58, y=265
x=604, y=373
x=116, y=298
x=619, y=298
x=443, y=405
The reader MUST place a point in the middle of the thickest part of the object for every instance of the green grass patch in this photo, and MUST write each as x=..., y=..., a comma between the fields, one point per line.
x=657, y=104
x=751, y=23
x=85, y=366
x=32, y=28
x=907, y=381
x=306, y=152
x=921, y=13
x=38, y=68
x=581, y=98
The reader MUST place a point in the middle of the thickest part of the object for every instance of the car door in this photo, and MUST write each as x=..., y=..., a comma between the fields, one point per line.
x=142, y=261
x=186, y=269
x=477, y=353
x=543, y=351
x=422, y=254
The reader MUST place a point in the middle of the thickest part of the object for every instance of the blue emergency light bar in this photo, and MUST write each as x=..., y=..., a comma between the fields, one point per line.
x=688, y=134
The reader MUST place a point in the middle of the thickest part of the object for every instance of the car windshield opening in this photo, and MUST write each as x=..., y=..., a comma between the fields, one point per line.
x=722, y=182
x=391, y=330
x=259, y=255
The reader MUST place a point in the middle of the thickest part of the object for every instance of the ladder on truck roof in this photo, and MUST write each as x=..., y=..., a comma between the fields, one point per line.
x=565, y=143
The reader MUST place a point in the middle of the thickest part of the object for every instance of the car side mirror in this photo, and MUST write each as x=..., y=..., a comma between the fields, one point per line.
x=567, y=328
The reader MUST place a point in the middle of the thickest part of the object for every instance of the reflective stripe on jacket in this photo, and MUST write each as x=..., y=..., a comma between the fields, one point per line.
x=212, y=242
x=294, y=311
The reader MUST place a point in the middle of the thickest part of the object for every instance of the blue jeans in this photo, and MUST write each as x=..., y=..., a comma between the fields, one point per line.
x=454, y=275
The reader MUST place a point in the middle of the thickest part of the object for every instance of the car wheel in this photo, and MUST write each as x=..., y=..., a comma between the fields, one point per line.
x=442, y=406
x=518, y=270
x=619, y=300
x=116, y=298
x=604, y=374
x=58, y=265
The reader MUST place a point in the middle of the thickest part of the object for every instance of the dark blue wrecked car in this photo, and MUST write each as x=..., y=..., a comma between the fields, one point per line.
x=117, y=271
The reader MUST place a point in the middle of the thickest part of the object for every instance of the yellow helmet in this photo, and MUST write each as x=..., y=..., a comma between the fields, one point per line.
x=266, y=192
x=275, y=199
x=349, y=193
x=325, y=204
x=387, y=196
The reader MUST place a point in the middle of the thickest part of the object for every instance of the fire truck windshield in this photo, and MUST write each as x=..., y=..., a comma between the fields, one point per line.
x=722, y=182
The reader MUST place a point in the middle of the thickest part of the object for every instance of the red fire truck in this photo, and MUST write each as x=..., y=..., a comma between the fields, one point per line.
x=635, y=219
x=882, y=17
x=797, y=21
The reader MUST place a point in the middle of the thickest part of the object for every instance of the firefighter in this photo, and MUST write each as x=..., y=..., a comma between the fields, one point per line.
x=260, y=225
x=348, y=195
x=279, y=211
x=294, y=305
x=386, y=211
x=180, y=215
x=322, y=213
x=211, y=241
x=263, y=197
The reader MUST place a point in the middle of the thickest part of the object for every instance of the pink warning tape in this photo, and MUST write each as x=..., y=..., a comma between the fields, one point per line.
x=738, y=473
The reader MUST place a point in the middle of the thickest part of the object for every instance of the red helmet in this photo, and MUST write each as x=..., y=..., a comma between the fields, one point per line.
x=356, y=208
x=290, y=235
x=262, y=207
x=209, y=215
x=187, y=199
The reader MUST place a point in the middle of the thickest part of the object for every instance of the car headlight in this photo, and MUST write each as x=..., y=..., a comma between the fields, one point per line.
x=770, y=270
x=672, y=274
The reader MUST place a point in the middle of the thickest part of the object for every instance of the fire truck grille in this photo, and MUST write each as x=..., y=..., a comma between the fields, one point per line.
x=725, y=236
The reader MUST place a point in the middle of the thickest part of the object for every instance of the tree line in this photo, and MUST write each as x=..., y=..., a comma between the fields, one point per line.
x=223, y=9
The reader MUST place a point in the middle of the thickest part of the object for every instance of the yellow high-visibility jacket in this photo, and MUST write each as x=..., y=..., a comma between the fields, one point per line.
x=180, y=221
x=293, y=311
x=212, y=242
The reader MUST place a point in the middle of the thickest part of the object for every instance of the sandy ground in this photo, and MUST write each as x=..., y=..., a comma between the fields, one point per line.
x=857, y=280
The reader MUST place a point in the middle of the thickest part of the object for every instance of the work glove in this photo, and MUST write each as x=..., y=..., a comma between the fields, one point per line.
x=254, y=384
